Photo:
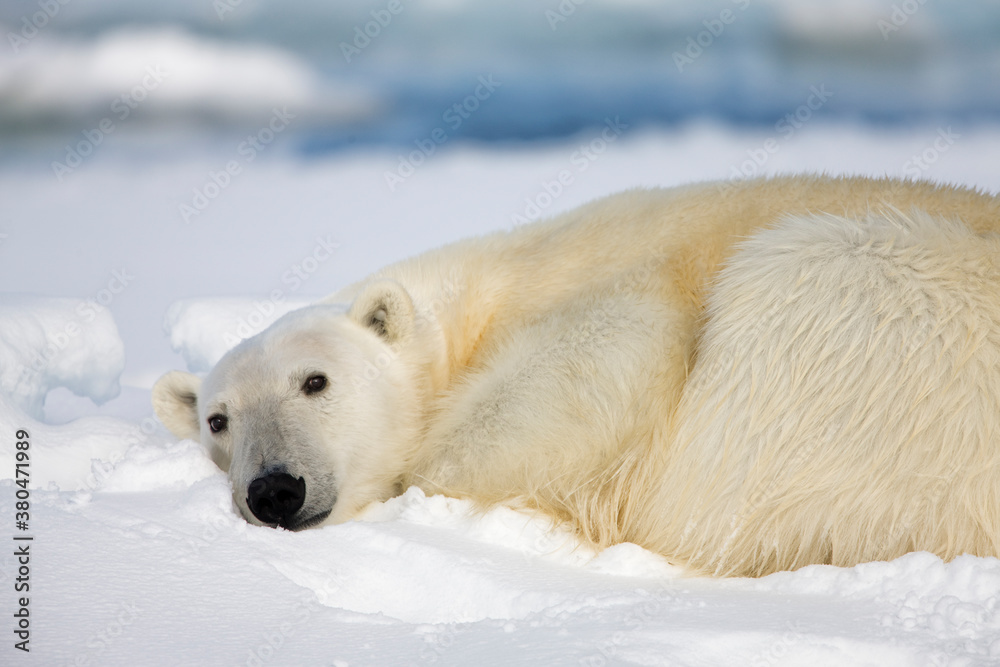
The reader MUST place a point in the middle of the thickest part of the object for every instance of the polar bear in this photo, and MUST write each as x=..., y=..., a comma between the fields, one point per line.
x=744, y=377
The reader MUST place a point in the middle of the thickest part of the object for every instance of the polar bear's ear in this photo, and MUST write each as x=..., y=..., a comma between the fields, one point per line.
x=175, y=401
x=386, y=308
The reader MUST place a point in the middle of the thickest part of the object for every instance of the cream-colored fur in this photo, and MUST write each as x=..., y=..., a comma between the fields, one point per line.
x=745, y=378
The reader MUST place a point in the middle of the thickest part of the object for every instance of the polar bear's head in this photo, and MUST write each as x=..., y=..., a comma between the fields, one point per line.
x=314, y=416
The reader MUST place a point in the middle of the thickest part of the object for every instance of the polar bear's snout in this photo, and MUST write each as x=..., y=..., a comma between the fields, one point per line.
x=279, y=499
x=276, y=497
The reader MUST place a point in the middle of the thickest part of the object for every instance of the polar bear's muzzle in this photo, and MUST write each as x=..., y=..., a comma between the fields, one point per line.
x=277, y=498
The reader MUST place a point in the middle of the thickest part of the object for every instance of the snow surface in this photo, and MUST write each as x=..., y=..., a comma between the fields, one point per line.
x=138, y=556
x=202, y=330
x=50, y=343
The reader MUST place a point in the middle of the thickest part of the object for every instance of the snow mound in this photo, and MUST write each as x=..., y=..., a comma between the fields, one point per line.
x=203, y=330
x=83, y=455
x=937, y=603
x=51, y=342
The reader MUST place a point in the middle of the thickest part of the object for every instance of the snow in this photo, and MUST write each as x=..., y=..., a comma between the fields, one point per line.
x=138, y=556
x=49, y=343
x=202, y=330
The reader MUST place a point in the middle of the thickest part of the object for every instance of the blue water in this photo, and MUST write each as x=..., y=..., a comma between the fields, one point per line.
x=562, y=67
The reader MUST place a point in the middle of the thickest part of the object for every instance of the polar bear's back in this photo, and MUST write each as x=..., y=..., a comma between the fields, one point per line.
x=845, y=404
x=677, y=236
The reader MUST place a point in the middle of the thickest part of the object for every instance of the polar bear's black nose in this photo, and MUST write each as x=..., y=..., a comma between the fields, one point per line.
x=276, y=497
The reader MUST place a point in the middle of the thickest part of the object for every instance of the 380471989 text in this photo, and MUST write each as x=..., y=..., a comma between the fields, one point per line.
x=22, y=540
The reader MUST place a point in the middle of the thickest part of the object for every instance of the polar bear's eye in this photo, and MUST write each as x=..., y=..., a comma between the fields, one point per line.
x=315, y=384
x=217, y=423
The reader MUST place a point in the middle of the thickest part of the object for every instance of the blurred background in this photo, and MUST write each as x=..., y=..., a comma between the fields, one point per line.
x=154, y=154
x=362, y=73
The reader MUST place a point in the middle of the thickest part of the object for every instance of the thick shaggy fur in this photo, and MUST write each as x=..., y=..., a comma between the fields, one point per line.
x=745, y=378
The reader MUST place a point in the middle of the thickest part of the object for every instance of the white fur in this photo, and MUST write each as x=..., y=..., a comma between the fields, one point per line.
x=848, y=384
x=745, y=379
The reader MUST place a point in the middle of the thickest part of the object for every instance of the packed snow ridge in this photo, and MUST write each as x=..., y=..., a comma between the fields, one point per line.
x=48, y=342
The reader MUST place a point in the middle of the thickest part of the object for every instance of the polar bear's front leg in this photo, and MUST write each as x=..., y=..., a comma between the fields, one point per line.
x=559, y=405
